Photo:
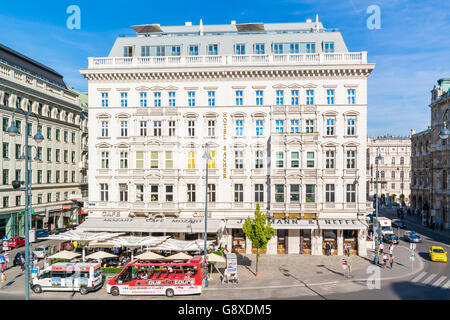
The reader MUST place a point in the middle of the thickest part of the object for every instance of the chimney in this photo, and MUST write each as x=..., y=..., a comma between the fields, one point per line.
x=201, y=27
x=413, y=132
x=317, y=22
x=188, y=24
x=233, y=22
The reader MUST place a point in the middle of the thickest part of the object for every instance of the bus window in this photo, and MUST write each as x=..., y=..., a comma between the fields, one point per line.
x=84, y=274
x=45, y=275
x=97, y=272
x=70, y=274
x=58, y=274
x=127, y=275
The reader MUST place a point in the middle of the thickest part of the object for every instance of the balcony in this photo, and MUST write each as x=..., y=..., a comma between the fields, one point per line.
x=232, y=60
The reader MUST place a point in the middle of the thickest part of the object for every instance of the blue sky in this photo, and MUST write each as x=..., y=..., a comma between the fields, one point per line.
x=411, y=49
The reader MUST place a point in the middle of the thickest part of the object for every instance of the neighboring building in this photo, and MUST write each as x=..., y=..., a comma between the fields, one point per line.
x=394, y=170
x=430, y=161
x=283, y=107
x=31, y=86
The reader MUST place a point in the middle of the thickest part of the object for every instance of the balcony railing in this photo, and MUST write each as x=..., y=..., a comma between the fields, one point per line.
x=239, y=60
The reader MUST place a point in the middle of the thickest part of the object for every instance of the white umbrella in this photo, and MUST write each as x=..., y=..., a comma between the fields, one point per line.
x=212, y=257
x=100, y=255
x=69, y=255
x=149, y=255
x=180, y=256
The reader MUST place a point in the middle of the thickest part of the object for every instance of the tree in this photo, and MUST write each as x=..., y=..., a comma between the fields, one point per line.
x=258, y=231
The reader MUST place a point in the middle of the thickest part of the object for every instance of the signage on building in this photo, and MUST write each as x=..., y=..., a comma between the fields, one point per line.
x=66, y=207
x=224, y=158
x=77, y=197
x=282, y=221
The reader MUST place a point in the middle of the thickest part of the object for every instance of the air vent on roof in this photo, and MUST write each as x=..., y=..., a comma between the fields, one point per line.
x=233, y=22
x=250, y=27
x=188, y=24
x=147, y=28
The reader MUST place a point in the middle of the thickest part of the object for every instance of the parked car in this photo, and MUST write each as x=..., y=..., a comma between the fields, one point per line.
x=42, y=233
x=411, y=236
x=390, y=238
x=397, y=223
x=41, y=251
x=437, y=254
x=16, y=261
x=16, y=242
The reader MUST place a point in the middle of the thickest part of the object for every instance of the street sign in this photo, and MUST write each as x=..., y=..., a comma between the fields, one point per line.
x=2, y=260
x=32, y=235
x=5, y=245
x=5, y=237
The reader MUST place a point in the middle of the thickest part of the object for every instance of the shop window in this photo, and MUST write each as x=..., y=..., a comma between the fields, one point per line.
x=351, y=239
x=282, y=241
x=238, y=241
x=305, y=241
x=329, y=244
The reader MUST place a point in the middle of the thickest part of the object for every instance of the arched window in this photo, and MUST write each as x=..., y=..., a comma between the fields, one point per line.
x=393, y=160
x=402, y=160
x=393, y=174
x=382, y=174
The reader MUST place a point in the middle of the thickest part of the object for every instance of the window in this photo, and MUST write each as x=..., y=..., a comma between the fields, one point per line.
x=169, y=193
x=259, y=48
x=310, y=193
x=309, y=126
x=58, y=135
x=212, y=162
x=393, y=174
x=105, y=160
x=193, y=50
x=211, y=128
x=351, y=127
x=294, y=48
x=295, y=163
x=351, y=159
x=19, y=151
x=105, y=99
x=280, y=159
x=154, y=192
x=239, y=159
x=5, y=124
x=49, y=176
x=124, y=128
x=329, y=192
x=310, y=163
x=73, y=176
x=294, y=97
x=212, y=50
x=58, y=176
x=5, y=202
x=169, y=160
x=191, y=160
x=58, y=154
x=191, y=192
x=351, y=96
x=171, y=98
x=329, y=159
x=124, y=99
x=30, y=129
x=309, y=96
x=5, y=150
x=123, y=192
x=393, y=186
x=19, y=126
x=239, y=97
x=66, y=136
x=351, y=193
x=157, y=131
x=191, y=128
x=143, y=99
x=402, y=160
x=259, y=159
x=49, y=197
x=5, y=176
x=154, y=159
x=259, y=97
x=330, y=127
x=104, y=194
x=211, y=98
x=259, y=193
x=295, y=128
x=277, y=48
x=128, y=51
x=73, y=137
x=295, y=193
x=66, y=156
x=279, y=97
x=310, y=47
x=330, y=96
x=211, y=193
x=123, y=160
x=259, y=128
x=239, y=128
x=18, y=201
x=328, y=47
x=18, y=174
x=382, y=174
x=58, y=196
x=279, y=126
x=279, y=193
x=139, y=192
x=157, y=99
x=402, y=174
x=239, y=49
x=49, y=133
x=171, y=128
x=238, y=193
x=143, y=128
x=191, y=98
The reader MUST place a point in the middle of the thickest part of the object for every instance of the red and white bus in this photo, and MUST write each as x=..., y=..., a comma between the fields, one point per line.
x=159, y=277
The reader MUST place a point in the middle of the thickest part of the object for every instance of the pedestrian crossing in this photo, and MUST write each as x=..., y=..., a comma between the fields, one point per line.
x=426, y=278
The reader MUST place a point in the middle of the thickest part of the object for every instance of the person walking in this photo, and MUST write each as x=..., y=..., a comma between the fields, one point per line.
x=392, y=260
x=381, y=247
x=327, y=249
x=384, y=260
x=391, y=248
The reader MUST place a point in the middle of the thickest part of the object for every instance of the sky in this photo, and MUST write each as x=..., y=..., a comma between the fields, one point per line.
x=411, y=49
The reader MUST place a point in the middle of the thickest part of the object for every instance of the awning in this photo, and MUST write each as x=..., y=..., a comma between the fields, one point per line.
x=189, y=225
x=278, y=223
x=341, y=224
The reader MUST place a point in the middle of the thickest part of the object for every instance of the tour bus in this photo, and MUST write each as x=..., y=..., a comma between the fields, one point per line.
x=159, y=277
x=384, y=225
x=66, y=276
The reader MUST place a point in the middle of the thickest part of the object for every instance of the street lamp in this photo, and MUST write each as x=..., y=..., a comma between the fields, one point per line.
x=207, y=157
x=378, y=158
x=38, y=137
x=355, y=182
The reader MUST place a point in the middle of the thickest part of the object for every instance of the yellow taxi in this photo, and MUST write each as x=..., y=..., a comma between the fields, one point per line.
x=438, y=254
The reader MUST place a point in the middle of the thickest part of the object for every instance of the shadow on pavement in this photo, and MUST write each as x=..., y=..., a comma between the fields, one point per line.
x=407, y=290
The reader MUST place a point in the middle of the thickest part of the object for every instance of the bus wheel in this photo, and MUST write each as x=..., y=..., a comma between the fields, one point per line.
x=37, y=289
x=84, y=290
x=170, y=293
x=115, y=291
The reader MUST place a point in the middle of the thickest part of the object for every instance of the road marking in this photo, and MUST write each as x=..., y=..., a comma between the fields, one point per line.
x=427, y=280
x=447, y=285
x=438, y=282
x=420, y=276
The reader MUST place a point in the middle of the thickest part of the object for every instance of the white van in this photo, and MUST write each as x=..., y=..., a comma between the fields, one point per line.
x=41, y=251
x=66, y=276
x=384, y=225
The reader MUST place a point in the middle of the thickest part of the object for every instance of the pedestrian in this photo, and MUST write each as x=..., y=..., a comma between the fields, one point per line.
x=226, y=249
x=327, y=249
x=391, y=248
x=392, y=260
x=381, y=247
x=384, y=260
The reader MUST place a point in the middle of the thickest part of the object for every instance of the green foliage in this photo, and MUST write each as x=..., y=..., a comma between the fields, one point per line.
x=258, y=231
x=58, y=260
x=219, y=252
x=112, y=270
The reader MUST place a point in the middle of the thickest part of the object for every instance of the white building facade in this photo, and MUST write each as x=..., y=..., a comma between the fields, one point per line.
x=283, y=115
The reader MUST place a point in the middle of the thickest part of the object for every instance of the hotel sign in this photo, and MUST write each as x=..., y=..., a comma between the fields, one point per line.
x=278, y=223
x=224, y=157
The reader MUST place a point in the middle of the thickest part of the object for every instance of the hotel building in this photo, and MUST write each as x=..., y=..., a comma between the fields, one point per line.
x=282, y=108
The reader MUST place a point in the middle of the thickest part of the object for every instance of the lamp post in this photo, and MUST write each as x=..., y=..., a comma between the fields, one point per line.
x=378, y=158
x=38, y=137
x=207, y=157
x=443, y=135
x=355, y=182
